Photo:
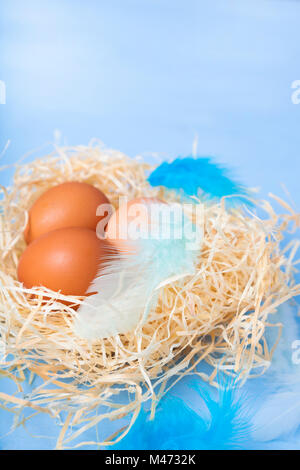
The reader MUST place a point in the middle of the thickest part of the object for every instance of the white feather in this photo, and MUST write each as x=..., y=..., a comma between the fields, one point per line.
x=278, y=415
x=126, y=286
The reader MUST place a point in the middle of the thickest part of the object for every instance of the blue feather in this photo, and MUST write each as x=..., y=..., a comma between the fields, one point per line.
x=196, y=177
x=266, y=417
x=178, y=427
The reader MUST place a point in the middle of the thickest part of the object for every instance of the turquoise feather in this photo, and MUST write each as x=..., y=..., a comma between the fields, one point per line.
x=199, y=176
x=176, y=426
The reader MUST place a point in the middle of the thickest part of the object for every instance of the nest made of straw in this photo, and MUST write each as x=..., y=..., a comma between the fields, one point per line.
x=219, y=315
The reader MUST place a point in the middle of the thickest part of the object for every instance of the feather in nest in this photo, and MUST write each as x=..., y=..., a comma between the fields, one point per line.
x=125, y=288
x=199, y=176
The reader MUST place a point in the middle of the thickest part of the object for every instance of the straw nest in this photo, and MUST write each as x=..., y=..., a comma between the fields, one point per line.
x=219, y=315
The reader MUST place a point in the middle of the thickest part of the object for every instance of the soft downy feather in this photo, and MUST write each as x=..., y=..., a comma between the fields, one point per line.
x=126, y=288
x=276, y=423
x=222, y=423
x=262, y=414
x=200, y=177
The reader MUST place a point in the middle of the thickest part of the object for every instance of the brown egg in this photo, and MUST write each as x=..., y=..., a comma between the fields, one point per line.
x=70, y=204
x=135, y=211
x=65, y=260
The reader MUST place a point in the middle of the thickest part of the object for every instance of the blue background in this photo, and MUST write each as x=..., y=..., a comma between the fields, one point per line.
x=147, y=76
